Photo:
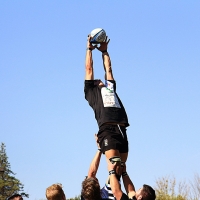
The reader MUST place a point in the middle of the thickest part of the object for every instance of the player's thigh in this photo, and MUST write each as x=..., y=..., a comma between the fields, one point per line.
x=114, y=153
x=124, y=156
x=111, y=153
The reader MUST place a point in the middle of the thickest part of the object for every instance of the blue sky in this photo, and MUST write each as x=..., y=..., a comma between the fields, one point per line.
x=46, y=123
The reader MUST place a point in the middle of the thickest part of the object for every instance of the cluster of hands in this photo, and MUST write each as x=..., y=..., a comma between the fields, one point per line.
x=103, y=45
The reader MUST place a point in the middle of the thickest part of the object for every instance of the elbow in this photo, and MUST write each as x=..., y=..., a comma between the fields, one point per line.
x=109, y=70
x=117, y=194
x=116, y=191
x=89, y=70
x=88, y=65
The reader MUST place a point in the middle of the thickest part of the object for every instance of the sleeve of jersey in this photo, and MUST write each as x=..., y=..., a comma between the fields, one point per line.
x=114, y=84
x=88, y=89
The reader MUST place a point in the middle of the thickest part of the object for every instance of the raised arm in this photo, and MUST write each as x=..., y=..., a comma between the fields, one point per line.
x=114, y=183
x=106, y=59
x=95, y=162
x=128, y=184
x=89, y=73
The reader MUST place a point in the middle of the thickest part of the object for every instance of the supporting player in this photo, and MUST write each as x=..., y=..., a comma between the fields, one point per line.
x=108, y=108
x=55, y=192
x=91, y=187
x=146, y=192
x=15, y=197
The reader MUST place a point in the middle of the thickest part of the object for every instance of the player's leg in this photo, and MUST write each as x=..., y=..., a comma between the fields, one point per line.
x=110, y=138
x=112, y=153
x=124, y=157
x=123, y=147
x=113, y=156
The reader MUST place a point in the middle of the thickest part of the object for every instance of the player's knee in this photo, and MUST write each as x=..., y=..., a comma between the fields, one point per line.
x=115, y=159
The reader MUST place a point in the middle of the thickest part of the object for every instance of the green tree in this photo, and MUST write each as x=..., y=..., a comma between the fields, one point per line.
x=75, y=198
x=9, y=185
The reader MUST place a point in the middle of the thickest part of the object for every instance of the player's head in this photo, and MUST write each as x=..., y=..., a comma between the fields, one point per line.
x=145, y=193
x=15, y=197
x=55, y=192
x=90, y=189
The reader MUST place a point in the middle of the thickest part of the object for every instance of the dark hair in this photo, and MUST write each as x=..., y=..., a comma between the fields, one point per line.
x=13, y=196
x=90, y=189
x=148, y=193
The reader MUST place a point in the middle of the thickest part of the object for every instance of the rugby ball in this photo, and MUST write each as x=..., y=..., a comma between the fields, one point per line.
x=98, y=35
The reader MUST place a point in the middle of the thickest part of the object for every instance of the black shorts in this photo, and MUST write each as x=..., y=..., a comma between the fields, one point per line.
x=113, y=137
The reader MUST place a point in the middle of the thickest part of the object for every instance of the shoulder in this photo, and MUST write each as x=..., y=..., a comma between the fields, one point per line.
x=112, y=81
x=89, y=84
x=111, y=84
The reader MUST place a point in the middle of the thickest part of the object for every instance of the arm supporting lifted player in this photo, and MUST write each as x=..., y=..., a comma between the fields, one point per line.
x=95, y=162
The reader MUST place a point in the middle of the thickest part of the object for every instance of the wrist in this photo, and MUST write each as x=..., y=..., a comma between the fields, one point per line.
x=112, y=172
x=124, y=174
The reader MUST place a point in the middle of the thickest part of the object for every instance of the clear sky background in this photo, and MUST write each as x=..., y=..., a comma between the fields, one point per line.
x=46, y=123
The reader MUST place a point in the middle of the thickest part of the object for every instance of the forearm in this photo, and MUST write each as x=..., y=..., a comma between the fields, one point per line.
x=128, y=185
x=115, y=186
x=94, y=165
x=107, y=66
x=89, y=75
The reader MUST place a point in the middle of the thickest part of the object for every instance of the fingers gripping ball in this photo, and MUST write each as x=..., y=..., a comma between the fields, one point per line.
x=98, y=35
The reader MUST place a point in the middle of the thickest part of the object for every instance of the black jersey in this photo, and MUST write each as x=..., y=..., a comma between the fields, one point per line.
x=105, y=102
